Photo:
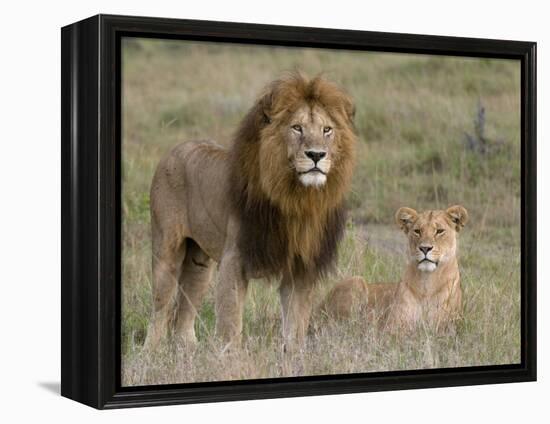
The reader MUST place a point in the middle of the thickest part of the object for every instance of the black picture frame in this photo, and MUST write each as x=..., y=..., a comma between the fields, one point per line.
x=91, y=212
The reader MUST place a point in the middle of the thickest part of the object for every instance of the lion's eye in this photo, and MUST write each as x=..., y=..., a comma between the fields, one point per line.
x=417, y=232
x=297, y=128
x=439, y=231
x=327, y=130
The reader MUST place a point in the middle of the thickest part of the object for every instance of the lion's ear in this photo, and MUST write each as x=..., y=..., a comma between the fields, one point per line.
x=459, y=216
x=350, y=109
x=265, y=105
x=405, y=218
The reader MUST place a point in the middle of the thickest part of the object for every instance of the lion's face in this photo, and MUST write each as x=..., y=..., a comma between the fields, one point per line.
x=431, y=234
x=308, y=140
x=310, y=144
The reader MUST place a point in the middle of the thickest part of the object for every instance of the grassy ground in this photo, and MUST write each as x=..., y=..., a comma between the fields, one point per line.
x=434, y=131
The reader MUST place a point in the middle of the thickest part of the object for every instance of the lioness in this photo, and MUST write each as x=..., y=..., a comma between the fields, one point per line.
x=430, y=289
x=271, y=205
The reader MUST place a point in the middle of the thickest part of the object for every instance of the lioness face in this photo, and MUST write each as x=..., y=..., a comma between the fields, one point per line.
x=310, y=139
x=431, y=234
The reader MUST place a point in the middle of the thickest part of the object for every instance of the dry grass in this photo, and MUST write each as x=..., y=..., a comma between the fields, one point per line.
x=412, y=115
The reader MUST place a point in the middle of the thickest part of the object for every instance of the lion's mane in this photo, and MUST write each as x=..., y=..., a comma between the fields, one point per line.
x=284, y=226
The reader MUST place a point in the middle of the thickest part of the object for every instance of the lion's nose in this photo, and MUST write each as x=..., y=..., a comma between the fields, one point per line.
x=425, y=249
x=315, y=155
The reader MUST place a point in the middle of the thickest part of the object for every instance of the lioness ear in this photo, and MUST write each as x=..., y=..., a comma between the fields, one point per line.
x=459, y=216
x=405, y=217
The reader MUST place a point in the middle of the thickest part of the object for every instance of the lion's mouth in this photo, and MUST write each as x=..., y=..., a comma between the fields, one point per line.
x=314, y=169
x=428, y=260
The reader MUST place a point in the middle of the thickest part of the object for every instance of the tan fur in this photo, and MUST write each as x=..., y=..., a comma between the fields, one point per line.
x=249, y=209
x=433, y=297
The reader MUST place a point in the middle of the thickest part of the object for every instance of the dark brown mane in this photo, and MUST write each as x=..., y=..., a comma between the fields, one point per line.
x=284, y=226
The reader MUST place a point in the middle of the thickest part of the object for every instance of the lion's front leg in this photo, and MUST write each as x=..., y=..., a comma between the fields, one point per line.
x=230, y=298
x=296, y=302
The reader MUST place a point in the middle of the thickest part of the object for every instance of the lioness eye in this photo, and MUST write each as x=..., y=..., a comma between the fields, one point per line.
x=417, y=232
x=440, y=231
x=297, y=128
x=327, y=130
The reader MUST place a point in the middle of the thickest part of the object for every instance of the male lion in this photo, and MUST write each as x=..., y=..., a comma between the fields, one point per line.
x=430, y=289
x=271, y=205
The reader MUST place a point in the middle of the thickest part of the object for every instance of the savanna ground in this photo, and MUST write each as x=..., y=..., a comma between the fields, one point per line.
x=433, y=131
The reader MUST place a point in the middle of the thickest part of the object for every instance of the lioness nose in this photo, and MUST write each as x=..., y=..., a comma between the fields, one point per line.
x=315, y=155
x=425, y=249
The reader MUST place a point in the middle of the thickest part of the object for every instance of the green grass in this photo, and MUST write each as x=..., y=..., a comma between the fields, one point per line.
x=412, y=115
